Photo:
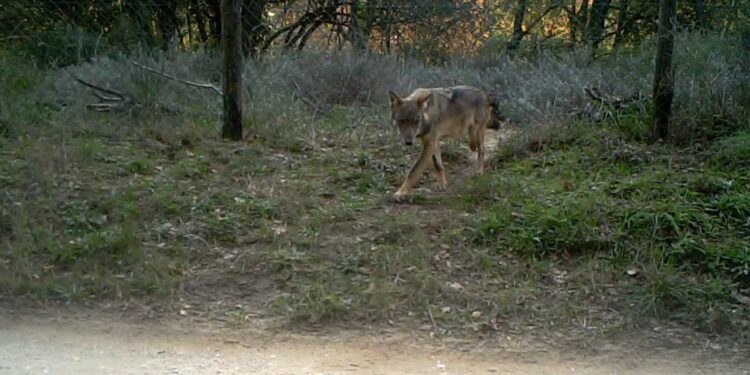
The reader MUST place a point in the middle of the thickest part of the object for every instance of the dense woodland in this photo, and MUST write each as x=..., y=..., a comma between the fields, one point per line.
x=428, y=29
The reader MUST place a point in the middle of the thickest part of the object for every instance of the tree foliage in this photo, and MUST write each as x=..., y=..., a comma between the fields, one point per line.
x=64, y=31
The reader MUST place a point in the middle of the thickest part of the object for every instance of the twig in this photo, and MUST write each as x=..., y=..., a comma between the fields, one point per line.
x=190, y=83
x=119, y=96
x=304, y=99
x=432, y=319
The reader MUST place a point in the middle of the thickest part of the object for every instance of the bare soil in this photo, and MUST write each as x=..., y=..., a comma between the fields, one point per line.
x=95, y=344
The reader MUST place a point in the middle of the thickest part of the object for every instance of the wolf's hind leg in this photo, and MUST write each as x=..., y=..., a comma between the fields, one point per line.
x=437, y=161
x=480, y=156
x=477, y=137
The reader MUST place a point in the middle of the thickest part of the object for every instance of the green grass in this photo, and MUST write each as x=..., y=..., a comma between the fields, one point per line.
x=683, y=223
x=113, y=207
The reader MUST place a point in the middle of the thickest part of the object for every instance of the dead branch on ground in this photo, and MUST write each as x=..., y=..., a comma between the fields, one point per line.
x=111, y=100
x=610, y=100
x=178, y=79
x=604, y=105
x=114, y=101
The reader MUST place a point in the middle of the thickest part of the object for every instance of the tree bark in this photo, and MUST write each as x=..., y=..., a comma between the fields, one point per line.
x=583, y=20
x=595, y=29
x=168, y=23
x=518, y=33
x=360, y=25
x=664, y=74
x=231, y=35
x=622, y=22
x=214, y=7
x=572, y=22
x=140, y=14
x=700, y=14
x=200, y=22
x=253, y=28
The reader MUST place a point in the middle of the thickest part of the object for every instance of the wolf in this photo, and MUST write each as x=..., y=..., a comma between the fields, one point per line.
x=431, y=114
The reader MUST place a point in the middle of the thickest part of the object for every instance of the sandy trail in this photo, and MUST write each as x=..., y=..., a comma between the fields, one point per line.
x=55, y=346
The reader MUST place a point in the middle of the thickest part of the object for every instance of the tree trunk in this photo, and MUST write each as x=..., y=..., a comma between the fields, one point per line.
x=362, y=22
x=253, y=28
x=572, y=22
x=231, y=33
x=664, y=74
x=518, y=33
x=700, y=14
x=214, y=7
x=622, y=21
x=359, y=26
x=583, y=20
x=200, y=21
x=595, y=29
x=189, y=24
x=167, y=21
x=140, y=14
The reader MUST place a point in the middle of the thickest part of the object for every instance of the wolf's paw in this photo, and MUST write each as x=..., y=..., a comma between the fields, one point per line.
x=400, y=194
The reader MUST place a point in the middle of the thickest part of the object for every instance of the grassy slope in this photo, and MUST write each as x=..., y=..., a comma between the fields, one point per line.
x=301, y=223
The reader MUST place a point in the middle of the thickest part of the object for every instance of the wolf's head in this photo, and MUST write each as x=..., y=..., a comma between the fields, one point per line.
x=408, y=116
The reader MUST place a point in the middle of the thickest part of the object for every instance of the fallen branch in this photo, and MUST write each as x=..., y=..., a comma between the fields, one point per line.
x=605, y=105
x=119, y=95
x=178, y=79
x=614, y=101
x=118, y=102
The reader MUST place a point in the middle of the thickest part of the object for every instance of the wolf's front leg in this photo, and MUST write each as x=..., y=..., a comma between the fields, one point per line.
x=416, y=171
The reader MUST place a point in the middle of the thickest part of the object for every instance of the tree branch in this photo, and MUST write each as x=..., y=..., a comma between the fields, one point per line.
x=189, y=83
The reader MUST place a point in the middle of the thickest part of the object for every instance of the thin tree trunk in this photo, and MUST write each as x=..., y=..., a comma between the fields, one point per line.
x=214, y=7
x=200, y=21
x=166, y=16
x=140, y=14
x=583, y=20
x=595, y=29
x=189, y=24
x=664, y=74
x=520, y=13
x=572, y=23
x=231, y=34
x=361, y=25
x=252, y=25
x=621, y=23
x=700, y=14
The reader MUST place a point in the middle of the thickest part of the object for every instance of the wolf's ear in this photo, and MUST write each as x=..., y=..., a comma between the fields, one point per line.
x=395, y=100
x=424, y=102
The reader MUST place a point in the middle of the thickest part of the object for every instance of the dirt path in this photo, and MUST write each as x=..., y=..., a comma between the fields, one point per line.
x=54, y=346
